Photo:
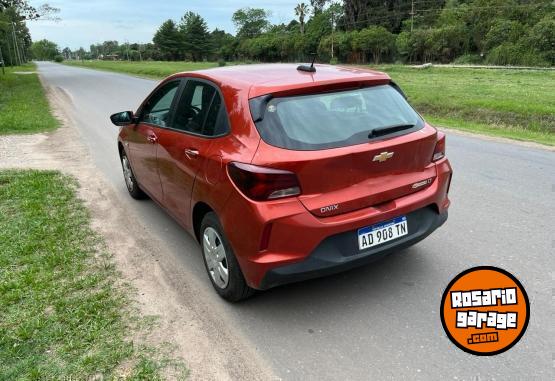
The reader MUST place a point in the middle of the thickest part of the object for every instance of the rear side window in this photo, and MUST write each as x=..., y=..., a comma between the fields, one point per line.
x=216, y=121
x=331, y=120
x=200, y=110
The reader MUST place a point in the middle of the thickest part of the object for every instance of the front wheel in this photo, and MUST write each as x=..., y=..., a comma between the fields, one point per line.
x=220, y=262
x=130, y=181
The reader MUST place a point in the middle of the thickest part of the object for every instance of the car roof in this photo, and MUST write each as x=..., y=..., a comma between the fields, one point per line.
x=262, y=79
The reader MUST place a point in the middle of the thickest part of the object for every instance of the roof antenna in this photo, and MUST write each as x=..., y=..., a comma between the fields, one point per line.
x=311, y=68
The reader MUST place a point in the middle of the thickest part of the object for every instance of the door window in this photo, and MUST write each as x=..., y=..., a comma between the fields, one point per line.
x=157, y=109
x=200, y=110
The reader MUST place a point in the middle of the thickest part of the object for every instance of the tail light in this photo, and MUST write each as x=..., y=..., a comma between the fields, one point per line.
x=439, y=151
x=260, y=183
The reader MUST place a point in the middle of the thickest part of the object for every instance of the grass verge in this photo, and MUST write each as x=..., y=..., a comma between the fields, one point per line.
x=63, y=314
x=23, y=104
x=150, y=69
x=516, y=104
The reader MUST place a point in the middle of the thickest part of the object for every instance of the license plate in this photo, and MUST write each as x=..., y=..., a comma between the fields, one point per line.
x=383, y=232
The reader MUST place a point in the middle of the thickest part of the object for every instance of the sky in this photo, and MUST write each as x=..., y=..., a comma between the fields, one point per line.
x=84, y=22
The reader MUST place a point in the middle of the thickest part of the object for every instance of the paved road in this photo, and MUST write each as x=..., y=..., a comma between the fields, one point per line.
x=380, y=321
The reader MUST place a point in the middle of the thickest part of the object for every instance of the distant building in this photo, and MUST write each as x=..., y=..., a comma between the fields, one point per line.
x=109, y=57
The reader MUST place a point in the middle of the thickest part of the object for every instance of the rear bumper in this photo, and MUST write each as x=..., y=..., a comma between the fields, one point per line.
x=296, y=237
x=340, y=252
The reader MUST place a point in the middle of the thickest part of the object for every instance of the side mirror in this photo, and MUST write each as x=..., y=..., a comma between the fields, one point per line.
x=123, y=118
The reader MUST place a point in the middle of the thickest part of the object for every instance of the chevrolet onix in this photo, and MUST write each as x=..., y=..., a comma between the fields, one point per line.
x=286, y=173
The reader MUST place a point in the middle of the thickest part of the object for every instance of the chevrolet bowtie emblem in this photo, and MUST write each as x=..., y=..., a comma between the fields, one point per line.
x=383, y=156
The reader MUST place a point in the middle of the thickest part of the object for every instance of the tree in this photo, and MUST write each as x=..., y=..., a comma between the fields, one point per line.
x=355, y=31
x=355, y=11
x=301, y=10
x=195, y=36
x=342, y=43
x=376, y=40
x=250, y=22
x=448, y=42
x=27, y=12
x=318, y=5
x=481, y=15
x=66, y=52
x=420, y=45
x=542, y=38
x=168, y=40
x=503, y=31
x=94, y=51
x=225, y=45
x=402, y=43
x=15, y=40
x=44, y=50
x=390, y=14
x=317, y=28
x=81, y=54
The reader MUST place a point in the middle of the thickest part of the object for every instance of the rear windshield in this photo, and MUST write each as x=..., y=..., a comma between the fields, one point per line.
x=331, y=120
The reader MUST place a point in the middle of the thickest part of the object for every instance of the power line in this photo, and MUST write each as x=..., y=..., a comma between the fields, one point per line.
x=509, y=6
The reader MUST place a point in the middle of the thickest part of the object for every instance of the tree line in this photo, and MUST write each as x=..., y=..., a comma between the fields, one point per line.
x=15, y=39
x=501, y=32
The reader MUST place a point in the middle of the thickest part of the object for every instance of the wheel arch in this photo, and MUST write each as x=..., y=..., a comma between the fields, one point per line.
x=120, y=148
x=199, y=211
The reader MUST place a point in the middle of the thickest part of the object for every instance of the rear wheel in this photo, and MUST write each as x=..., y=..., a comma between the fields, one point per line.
x=222, y=267
x=130, y=181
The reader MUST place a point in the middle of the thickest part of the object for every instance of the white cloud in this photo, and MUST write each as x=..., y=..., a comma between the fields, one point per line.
x=85, y=22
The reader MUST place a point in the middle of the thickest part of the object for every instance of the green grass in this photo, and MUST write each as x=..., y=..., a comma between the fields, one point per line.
x=23, y=104
x=517, y=104
x=151, y=69
x=63, y=314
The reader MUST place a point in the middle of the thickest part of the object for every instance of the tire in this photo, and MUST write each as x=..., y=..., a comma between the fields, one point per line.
x=219, y=258
x=130, y=181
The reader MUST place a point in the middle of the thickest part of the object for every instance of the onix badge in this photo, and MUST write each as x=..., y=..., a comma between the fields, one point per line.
x=383, y=156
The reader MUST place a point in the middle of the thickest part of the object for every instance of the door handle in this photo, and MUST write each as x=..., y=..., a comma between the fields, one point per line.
x=152, y=138
x=191, y=153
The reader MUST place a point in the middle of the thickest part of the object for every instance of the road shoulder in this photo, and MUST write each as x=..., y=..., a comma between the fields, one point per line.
x=497, y=139
x=187, y=322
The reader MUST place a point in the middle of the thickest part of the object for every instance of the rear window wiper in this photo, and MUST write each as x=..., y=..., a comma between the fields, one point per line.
x=380, y=131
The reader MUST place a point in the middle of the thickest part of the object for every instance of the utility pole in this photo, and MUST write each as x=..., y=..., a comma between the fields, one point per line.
x=9, y=51
x=332, y=30
x=2, y=61
x=18, y=56
x=412, y=15
x=23, y=54
x=127, y=50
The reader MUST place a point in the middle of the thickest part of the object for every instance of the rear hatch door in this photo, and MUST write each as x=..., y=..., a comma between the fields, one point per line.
x=350, y=149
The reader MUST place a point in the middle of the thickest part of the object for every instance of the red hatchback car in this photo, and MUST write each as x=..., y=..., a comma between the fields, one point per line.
x=286, y=173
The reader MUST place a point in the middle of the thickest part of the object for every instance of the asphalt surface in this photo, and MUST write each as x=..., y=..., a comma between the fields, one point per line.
x=380, y=321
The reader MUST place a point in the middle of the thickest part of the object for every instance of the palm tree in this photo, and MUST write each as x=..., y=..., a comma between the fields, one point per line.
x=301, y=10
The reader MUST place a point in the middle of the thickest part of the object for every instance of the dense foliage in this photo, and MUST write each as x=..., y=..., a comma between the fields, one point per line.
x=44, y=50
x=501, y=32
x=15, y=40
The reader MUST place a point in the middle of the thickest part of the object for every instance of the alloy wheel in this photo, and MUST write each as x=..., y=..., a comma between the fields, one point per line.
x=127, y=173
x=215, y=256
